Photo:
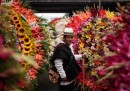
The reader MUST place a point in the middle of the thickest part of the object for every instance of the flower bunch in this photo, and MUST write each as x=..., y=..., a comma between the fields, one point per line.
x=89, y=83
x=30, y=18
x=11, y=72
x=25, y=40
x=76, y=22
x=6, y=28
x=20, y=31
x=33, y=36
x=92, y=33
x=77, y=19
x=117, y=67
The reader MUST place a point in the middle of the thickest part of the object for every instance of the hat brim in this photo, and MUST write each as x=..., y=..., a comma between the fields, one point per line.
x=65, y=33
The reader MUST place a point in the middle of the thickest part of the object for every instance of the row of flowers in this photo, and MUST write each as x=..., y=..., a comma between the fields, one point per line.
x=103, y=35
x=22, y=33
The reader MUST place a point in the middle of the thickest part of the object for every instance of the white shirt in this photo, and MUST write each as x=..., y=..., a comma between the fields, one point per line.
x=59, y=66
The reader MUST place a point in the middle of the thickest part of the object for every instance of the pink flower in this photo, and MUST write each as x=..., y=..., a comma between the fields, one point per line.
x=36, y=29
x=3, y=56
x=124, y=87
x=101, y=72
x=32, y=73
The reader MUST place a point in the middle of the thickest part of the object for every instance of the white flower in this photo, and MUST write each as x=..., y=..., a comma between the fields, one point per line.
x=60, y=25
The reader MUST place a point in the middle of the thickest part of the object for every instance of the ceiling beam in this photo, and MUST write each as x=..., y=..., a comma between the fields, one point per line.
x=67, y=7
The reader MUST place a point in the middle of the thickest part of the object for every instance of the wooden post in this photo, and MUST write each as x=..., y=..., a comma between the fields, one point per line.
x=83, y=63
x=99, y=6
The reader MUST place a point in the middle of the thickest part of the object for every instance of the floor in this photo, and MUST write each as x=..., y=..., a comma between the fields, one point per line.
x=45, y=85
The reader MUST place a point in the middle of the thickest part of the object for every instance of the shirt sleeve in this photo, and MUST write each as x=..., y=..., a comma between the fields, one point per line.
x=59, y=66
x=78, y=56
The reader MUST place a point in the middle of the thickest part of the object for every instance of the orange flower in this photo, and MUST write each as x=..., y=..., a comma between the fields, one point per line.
x=32, y=73
x=38, y=57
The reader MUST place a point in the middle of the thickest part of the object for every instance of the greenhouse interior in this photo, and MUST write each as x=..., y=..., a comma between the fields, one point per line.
x=64, y=45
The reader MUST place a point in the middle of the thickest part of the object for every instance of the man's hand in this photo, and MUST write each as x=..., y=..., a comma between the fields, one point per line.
x=84, y=55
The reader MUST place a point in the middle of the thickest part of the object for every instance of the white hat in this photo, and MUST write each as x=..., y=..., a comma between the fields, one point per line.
x=68, y=31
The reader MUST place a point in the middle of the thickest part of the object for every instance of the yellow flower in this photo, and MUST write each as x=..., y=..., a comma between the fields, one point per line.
x=81, y=45
x=24, y=65
x=98, y=27
x=21, y=31
x=27, y=40
x=109, y=15
x=90, y=25
x=29, y=45
x=89, y=51
x=18, y=25
x=21, y=37
x=94, y=73
x=99, y=22
x=26, y=50
x=15, y=22
x=88, y=36
x=14, y=18
x=96, y=56
x=82, y=34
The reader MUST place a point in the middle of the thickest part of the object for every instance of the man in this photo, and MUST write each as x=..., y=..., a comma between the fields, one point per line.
x=64, y=61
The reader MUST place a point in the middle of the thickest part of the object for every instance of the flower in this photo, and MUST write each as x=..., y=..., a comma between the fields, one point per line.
x=38, y=57
x=110, y=15
x=26, y=50
x=102, y=13
x=1, y=41
x=21, y=31
x=24, y=65
x=32, y=73
x=3, y=56
x=18, y=25
x=20, y=84
x=27, y=40
x=15, y=18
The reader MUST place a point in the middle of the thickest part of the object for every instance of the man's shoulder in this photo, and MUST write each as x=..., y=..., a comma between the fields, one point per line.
x=59, y=45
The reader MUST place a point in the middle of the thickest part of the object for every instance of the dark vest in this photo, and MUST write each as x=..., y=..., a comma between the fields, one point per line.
x=63, y=51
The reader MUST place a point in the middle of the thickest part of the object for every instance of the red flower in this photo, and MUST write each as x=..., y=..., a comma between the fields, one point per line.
x=93, y=12
x=102, y=13
x=20, y=84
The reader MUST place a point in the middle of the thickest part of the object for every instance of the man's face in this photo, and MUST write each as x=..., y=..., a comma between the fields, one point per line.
x=68, y=39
